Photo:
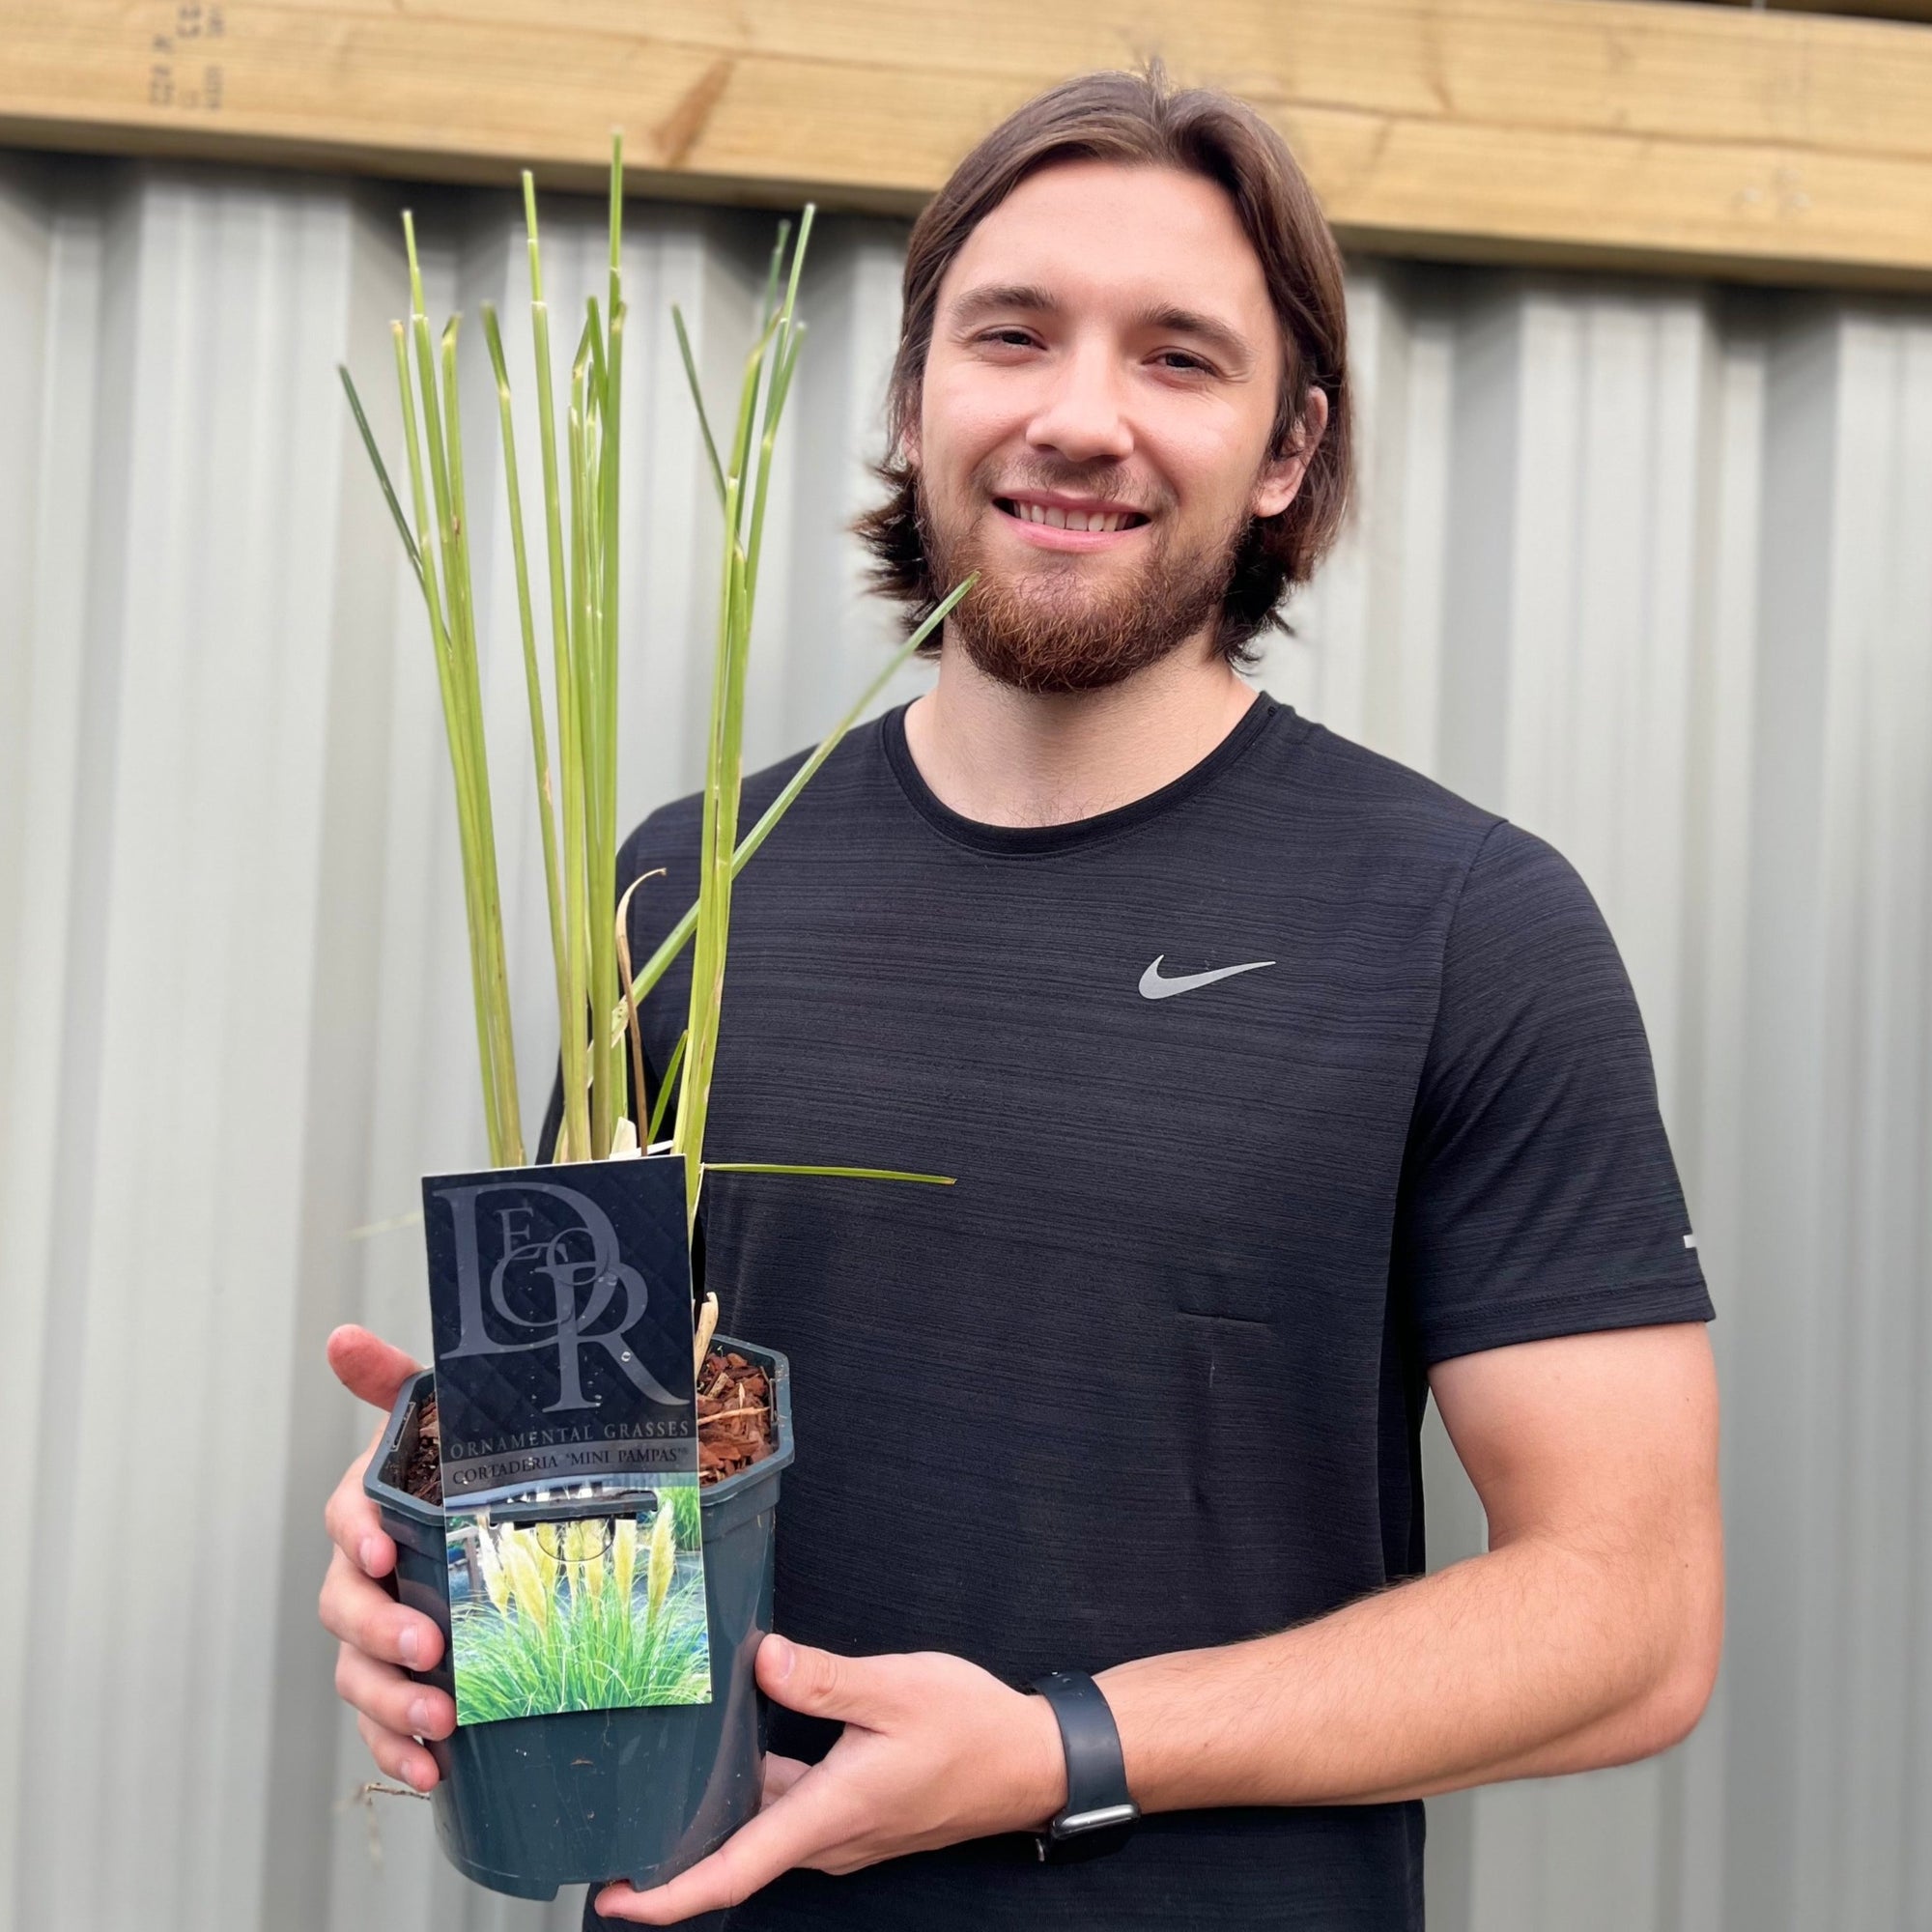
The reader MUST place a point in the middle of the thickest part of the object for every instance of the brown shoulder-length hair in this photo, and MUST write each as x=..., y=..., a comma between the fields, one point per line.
x=1140, y=121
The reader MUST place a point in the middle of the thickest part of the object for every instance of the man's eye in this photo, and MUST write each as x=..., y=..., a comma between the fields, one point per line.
x=1009, y=338
x=1181, y=359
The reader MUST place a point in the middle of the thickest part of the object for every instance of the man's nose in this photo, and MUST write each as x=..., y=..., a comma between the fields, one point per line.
x=1083, y=419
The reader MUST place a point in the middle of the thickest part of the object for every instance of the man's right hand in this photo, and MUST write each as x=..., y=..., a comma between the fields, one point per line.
x=378, y=1636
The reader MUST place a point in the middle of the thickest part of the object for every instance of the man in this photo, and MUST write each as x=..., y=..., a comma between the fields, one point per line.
x=1282, y=1089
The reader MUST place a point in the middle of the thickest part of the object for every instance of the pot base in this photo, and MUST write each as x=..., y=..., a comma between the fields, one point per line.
x=529, y=1804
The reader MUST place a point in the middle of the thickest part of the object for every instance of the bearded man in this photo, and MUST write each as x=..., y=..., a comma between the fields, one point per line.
x=1283, y=1088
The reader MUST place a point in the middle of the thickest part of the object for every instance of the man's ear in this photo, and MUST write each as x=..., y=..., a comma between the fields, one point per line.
x=1282, y=478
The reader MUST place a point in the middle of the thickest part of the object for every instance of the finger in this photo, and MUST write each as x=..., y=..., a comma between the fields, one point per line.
x=383, y=1694
x=354, y=1523
x=365, y=1615
x=854, y=1690
x=781, y=1775
x=402, y=1758
x=369, y=1367
x=816, y=1815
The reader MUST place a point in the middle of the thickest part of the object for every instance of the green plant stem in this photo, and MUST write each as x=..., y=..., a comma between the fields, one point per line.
x=604, y=881
x=580, y=779
x=675, y=940
x=532, y=677
x=769, y=367
x=577, y=791
x=707, y=968
x=508, y=1122
x=698, y=395
x=835, y=1173
x=573, y=974
x=454, y=730
x=665, y=1086
x=588, y=665
x=381, y=470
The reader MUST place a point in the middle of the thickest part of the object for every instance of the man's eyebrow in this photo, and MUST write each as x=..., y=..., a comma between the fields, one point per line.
x=1219, y=335
x=993, y=298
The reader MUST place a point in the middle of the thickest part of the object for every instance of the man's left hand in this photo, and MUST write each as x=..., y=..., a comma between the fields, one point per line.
x=935, y=1750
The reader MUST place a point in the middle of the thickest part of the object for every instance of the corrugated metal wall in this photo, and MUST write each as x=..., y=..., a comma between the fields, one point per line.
x=1645, y=565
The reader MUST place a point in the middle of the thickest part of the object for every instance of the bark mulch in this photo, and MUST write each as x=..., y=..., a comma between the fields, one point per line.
x=734, y=1427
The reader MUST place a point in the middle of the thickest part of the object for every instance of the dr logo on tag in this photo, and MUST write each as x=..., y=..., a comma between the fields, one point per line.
x=586, y=1274
x=562, y=1312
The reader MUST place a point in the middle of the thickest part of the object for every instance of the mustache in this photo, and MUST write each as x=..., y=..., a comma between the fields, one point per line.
x=1111, y=482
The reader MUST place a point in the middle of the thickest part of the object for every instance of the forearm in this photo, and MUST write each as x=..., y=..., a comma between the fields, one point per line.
x=1529, y=1660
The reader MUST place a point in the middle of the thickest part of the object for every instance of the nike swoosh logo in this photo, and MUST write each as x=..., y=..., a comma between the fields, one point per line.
x=1155, y=987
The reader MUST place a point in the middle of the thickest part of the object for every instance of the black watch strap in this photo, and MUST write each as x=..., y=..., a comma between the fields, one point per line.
x=1099, y=1812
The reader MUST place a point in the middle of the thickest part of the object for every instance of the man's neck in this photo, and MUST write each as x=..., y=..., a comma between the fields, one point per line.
x=1001, y=756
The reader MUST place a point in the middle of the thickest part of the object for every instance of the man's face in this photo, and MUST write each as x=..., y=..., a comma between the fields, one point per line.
x=1095, y=421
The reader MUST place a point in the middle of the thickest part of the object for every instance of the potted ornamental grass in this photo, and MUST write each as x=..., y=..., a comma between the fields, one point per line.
x=583, y=1491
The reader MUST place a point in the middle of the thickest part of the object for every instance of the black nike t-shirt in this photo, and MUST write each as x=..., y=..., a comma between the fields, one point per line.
x=1263, y=1094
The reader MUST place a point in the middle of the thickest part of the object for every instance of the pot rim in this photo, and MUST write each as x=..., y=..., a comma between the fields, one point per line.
x=389, y=1495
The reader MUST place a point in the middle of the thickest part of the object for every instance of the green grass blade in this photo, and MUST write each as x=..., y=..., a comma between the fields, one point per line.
x=679, y=935
x=797, y=260
x=506, y=1125
x=608, y=530
x=786, y=334
x=616, y=220
x=574, y=1046
x=766, y=371
x=664, y=1087
x=533, y=677
x=768, y=307
x=698, y=397
x=835, y=1173
x=748, y=390
x=381, y=470
x=530, y=234
x=585, y=746
x=605, y=980
x=707, y=965
x=593, y=329
x=452, y=731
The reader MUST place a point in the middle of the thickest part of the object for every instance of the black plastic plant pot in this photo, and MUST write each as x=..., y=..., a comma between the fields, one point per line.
x=527, y=1804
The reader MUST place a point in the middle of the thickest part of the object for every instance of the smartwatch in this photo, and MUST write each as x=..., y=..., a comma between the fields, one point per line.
x=1099, y=1812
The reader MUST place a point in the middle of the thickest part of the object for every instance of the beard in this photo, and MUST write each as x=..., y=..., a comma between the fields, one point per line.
x=1049, y=629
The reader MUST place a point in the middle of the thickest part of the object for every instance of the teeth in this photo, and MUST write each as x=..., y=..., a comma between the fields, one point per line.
x=1071, y=519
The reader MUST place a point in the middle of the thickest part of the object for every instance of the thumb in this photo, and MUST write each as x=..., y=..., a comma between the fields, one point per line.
x=851, y=1690
x=367, y=1366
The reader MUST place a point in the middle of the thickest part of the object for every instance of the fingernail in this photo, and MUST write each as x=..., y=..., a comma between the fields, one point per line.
x=373, y=1554
x=422, y=1773
x=409, y=1643
x=419, y=1716
x=782, y=1657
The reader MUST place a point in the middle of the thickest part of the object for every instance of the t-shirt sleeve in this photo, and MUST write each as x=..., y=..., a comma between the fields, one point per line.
x=1538, y=1196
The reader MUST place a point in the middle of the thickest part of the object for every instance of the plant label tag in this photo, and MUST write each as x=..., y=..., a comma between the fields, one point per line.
x=560, y=1310
x=549, y=1613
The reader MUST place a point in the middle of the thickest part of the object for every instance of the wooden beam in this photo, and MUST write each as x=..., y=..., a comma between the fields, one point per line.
x=1872, y=10
x=1683, y=139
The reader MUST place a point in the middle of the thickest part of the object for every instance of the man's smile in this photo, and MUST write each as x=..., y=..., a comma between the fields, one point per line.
x=1055, y=522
